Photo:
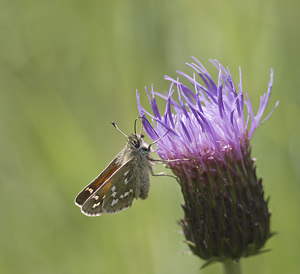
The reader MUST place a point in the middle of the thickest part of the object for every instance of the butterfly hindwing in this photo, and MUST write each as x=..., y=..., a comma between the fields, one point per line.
x=116, y=194
x=97, y=182
x=123, y=190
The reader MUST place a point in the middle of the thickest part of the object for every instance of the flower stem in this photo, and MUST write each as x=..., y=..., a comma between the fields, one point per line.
x=232, y=267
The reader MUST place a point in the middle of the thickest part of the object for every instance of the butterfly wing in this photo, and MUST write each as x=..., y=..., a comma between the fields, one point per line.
x=97, y=182
x=115, y=195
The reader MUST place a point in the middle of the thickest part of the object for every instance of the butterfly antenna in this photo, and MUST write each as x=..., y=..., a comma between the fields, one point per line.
x=158, y=139
x=142, y=127
x=114, y=124
x=135, y=125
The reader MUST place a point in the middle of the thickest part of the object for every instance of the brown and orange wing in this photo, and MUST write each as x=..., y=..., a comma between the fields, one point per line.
x=93, y=205
x=90, y=189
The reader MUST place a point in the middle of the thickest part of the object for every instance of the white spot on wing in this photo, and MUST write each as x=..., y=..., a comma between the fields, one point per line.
x=126, y=181
x=95, y=205
x=125, y=173
x=89, y=190
x=114, y=201
x=114, y=194
x=113, y=188
x=127, y=193
x=96, y=197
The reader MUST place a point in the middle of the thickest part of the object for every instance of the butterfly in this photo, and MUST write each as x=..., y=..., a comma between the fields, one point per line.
x=126, y=178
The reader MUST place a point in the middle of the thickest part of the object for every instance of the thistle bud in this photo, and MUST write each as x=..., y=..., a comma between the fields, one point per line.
x=226, y=214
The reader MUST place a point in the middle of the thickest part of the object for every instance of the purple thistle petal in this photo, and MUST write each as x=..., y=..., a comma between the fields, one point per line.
x=168, y=106
x=153, y=104
x=267, y=117
x=186, y=132
x=147, y=126
x=241, y=91
x=140, y=108
x=211, y=87
x=188, y=93
x=195, y=83
x=150, y=130
x=166, y=98
x=180, y=100
x=248, y=117
x=148, y=94
x=201, y=69
x=219, y=94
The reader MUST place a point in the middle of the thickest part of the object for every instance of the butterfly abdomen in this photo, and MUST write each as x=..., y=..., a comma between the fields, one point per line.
x=144, y=186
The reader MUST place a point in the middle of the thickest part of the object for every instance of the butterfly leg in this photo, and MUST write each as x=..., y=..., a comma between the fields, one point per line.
x=162, y=174
x=169, y=161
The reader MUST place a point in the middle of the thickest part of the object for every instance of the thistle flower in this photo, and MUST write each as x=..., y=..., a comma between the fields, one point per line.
x=210, y=125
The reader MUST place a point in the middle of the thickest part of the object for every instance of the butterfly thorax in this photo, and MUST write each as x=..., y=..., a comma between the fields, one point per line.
x=135, y=149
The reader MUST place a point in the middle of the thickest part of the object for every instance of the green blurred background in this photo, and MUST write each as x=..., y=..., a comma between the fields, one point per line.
x=68, y=68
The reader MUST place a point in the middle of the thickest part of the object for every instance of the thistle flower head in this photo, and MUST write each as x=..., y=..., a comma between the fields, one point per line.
x=210, y=124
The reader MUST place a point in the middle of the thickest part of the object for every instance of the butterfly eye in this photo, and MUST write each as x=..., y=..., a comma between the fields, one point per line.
x=136, y=144
x=142, y=136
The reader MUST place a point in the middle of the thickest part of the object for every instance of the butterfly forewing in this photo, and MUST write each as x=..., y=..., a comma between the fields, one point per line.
x=115, y=195
x=93, y=205
x=97, y=182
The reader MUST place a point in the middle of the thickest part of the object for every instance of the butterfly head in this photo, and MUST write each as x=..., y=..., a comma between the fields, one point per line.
x=137, y=143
